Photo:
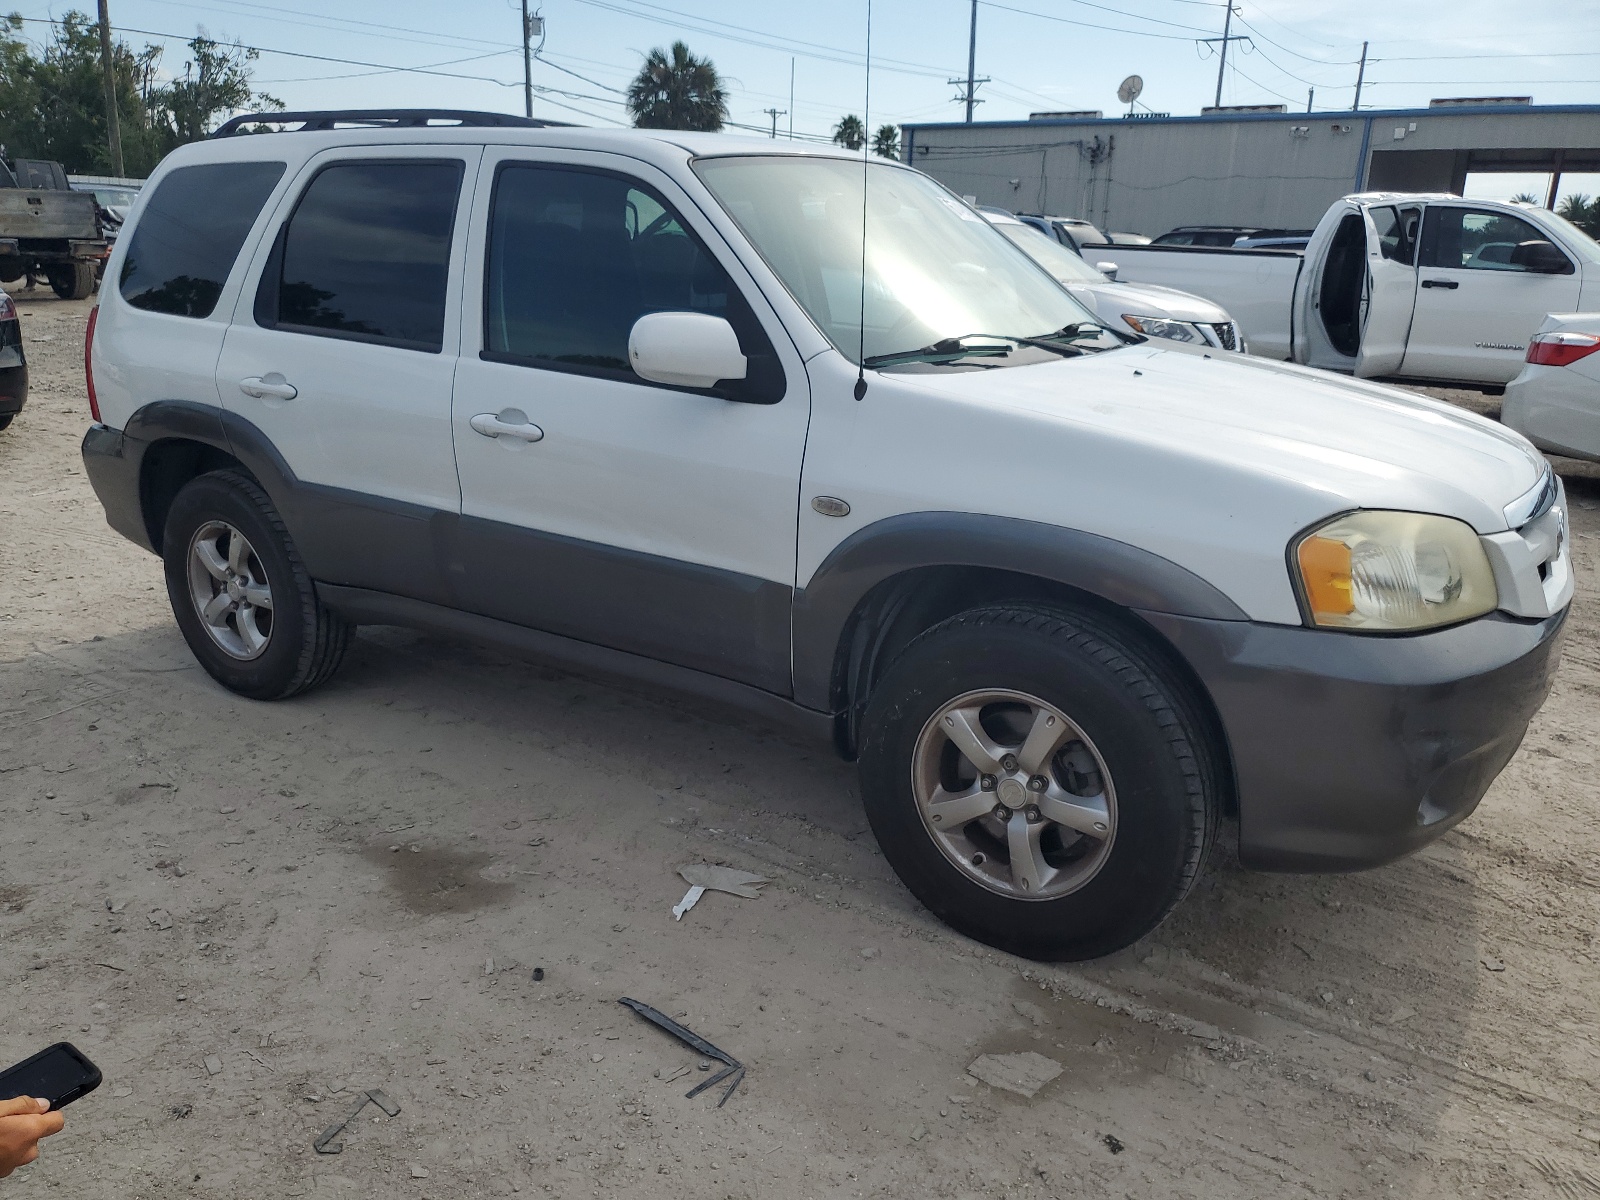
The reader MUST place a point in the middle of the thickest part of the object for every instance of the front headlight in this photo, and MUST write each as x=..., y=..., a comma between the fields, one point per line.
x=1162, y=327
x=1387, y=572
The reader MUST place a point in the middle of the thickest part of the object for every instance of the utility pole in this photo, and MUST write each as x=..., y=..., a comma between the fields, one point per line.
x=791, y=98
x=1227, y=25
x=1361, y=75
x=1311, y=98
x=972, y=59
x=775, y=113
x=968, y=91
x=527, y=60
x=113, y=122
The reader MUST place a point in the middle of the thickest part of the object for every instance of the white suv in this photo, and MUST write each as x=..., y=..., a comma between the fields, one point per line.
x=623, y=400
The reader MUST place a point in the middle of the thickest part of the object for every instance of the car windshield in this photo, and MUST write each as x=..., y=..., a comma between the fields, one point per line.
x=936, y=271
x=1051, y=255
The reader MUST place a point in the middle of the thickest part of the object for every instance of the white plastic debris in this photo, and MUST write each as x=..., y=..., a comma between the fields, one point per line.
x=1023, y=1073
x=690, y=899
x=708, y=877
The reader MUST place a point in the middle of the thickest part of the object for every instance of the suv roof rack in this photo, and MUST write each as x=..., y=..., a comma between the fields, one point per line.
x=376, y=118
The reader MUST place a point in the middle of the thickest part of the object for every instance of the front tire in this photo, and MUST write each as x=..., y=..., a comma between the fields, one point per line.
x=241, y=596
x=1038, y=781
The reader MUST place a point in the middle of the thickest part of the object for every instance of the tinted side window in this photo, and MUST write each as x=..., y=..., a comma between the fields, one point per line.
x=1474, y=239
x=189, y=234
x=1393, y=238
x=575, y=257
x=366, y=254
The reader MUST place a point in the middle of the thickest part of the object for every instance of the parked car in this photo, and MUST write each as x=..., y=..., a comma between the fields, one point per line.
x=1127, y=239
x=1216, y=236
x=1555, y=401
x=13, y=363
x=1144, y=308
x=115, y=199
x=1069, y=231
x=612, y=398
x=1427, y=288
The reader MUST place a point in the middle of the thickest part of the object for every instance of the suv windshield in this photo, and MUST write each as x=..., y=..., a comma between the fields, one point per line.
x=937, y=271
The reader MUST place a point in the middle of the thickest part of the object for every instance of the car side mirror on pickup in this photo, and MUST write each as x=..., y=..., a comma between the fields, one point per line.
x=1540, y=257
x=685, y=349
x=1108, y=269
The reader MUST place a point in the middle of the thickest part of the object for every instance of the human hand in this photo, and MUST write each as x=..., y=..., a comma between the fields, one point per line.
x=23, y=1122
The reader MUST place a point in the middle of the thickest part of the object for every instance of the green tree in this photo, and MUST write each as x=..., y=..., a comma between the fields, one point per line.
x=1525, y=198
x=216, y=82
x=886, y=142
x=52, y=101
x=676, y=90
x=1582, y=212
x=850, y=132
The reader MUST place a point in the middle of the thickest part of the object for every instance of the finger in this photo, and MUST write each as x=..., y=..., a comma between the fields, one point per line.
x=51, y=1123
x=30, y=1154
x=22, y=1104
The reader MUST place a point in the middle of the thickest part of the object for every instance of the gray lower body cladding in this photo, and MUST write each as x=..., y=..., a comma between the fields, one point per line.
x=1350, y=751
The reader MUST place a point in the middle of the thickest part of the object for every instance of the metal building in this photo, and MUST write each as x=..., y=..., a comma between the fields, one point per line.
x=1278, y=169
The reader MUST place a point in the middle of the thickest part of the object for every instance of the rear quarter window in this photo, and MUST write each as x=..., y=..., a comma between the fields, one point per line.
x=190, y=233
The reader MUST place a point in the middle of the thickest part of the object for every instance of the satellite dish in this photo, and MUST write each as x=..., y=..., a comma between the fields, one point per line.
x=1128, y=91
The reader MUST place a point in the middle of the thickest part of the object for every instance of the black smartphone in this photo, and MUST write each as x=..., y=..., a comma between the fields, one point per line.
x=59, y=1074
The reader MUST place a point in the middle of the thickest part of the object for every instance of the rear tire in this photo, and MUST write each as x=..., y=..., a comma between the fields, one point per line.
x=5, y=421
x=72, y=281
x=241, y=596
x=1069, y=848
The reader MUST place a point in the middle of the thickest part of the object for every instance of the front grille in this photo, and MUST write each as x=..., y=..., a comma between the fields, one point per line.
x=1227, y=335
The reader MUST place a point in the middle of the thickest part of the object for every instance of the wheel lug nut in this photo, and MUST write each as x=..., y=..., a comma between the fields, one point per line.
x=1034, y=816
x=1002, y=813
x=1009, y=762
x=988, y=783
x=1037, y=783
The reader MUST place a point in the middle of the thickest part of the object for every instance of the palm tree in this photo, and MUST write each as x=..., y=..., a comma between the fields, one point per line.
x=677, y=92
x=886, y=142
x=1525, y=198
x=850, y=132
x=1581, y=211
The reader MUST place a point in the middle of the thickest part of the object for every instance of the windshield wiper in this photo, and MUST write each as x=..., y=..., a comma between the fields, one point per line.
x=944, y=348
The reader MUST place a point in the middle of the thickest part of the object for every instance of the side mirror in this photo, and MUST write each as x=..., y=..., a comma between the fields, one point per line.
x=1108, y=269
x=1540, y=257
x=685, y=349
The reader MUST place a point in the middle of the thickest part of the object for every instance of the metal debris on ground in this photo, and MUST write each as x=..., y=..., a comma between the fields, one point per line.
x=325, y=1143
x=1023, y=1073
x=688, y=1037
x=709, y=877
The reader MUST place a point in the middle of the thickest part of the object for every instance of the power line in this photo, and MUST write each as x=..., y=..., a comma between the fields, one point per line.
x=1027, y=12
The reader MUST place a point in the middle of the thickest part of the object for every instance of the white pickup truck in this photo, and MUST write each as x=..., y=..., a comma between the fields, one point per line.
x=1393, y=285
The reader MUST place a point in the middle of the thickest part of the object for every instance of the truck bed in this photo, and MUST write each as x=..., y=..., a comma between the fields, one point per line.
x=1255, y=286
x=26, y=213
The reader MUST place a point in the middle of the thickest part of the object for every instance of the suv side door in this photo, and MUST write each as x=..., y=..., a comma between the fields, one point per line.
x=341, y=355
x=596, y=505
x=1477, y=307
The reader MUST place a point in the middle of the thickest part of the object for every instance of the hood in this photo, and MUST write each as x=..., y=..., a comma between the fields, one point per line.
x=1316, y=443
x=1111, y=300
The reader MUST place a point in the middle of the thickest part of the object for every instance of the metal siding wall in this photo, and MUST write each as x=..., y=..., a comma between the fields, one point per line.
x=1155, y=176
x=1247, y=172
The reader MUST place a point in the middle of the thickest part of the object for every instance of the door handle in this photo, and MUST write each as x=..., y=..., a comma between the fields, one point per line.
x=509, y=423
x=1452, y=284
x=273, y=385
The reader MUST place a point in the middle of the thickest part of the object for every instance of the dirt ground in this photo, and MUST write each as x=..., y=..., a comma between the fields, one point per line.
x=352, y=890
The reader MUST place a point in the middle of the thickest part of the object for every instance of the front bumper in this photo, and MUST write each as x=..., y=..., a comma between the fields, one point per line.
x=1350, y=751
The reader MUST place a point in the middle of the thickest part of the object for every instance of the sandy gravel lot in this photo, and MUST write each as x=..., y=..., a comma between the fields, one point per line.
x=352, y=890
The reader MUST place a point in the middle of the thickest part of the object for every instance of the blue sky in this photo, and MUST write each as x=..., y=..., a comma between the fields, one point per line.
x=1041, y=54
